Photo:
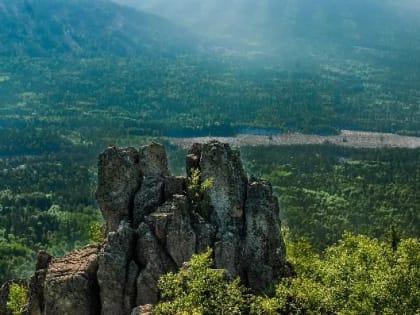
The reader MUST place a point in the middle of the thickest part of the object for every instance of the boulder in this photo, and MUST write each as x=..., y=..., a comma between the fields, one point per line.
x=115, y=259
x=218, y=162
x=153, y=160
x=264, y=246
x=222, y=165
x=148, y=198
x=155, y=262
x=70, y=285
x=119, y=178
x=180, y=236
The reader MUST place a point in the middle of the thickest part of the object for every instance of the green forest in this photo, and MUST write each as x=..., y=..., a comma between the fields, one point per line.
x=53, y=126
x=326, y=190
x=187, y=96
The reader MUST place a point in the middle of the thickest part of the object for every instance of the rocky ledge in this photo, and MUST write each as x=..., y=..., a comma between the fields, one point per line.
x=155, y=222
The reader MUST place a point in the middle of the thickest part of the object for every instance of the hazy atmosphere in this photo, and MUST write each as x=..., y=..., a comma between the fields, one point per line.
x=269, y=26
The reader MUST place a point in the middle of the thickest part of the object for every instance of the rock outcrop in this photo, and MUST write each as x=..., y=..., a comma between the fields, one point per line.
x=67, y=285
x=155, y=222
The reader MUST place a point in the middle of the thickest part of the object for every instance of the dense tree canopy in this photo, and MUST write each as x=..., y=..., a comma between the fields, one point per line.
x=358, y=275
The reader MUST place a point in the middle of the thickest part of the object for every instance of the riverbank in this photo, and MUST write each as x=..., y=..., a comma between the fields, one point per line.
x=347, y=138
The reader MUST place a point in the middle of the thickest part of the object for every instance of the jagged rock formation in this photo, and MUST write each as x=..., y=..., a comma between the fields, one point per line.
x=155, y=222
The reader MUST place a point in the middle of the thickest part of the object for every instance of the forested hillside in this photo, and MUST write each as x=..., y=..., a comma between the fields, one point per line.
x=42, y=28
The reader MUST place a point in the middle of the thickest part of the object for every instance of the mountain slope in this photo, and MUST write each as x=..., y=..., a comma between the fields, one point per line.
x=86, y=28
x=273, y=24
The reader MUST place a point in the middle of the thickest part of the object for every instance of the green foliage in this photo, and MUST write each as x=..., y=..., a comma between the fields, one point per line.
x=358, y=275
x=97, y=232
x=199, y=289
x=197, y=191
x=18, y=298
x=15, y=257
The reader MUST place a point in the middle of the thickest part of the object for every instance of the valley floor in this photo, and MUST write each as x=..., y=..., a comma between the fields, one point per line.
x=347, y=138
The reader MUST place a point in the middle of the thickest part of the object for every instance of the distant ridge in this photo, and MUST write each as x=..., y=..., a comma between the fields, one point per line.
x=38, y=28
x=272, y=24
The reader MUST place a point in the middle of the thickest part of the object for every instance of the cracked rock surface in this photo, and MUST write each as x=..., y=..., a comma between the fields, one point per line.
x=154, y=223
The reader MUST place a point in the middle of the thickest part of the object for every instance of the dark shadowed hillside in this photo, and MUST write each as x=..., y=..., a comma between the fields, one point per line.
x=86, y=28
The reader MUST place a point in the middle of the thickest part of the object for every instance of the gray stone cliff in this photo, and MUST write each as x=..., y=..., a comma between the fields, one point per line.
x=154, y=223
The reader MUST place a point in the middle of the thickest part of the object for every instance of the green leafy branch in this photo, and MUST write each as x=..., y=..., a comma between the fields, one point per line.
x=18, y=298
x=197, y=191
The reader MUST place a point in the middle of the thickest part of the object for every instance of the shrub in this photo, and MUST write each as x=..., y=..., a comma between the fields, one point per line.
x=96, y=233
x=18, y=298
x=197, y=191
x=359, y=275
x=199, y=289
